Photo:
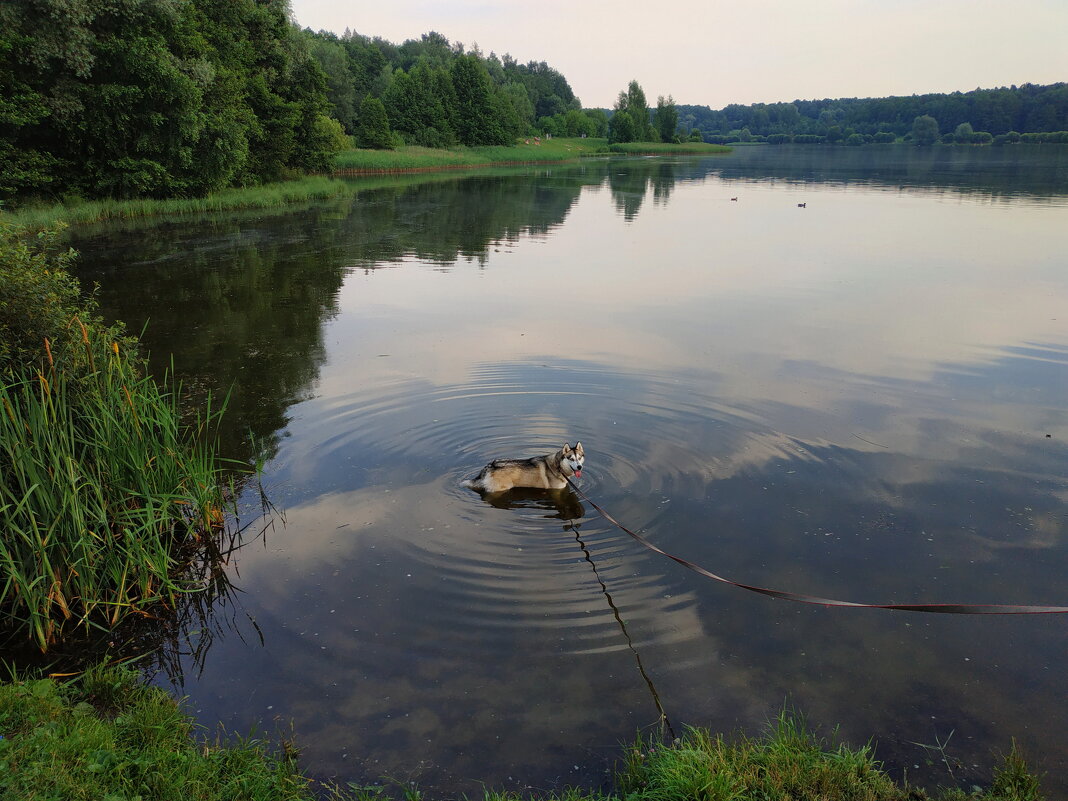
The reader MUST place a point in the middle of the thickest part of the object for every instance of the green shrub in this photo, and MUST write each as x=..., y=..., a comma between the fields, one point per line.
x=39, y=299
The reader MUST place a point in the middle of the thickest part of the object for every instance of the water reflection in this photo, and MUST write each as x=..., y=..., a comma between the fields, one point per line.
x=1000, y=173
x=564, y=502
x=851, y=399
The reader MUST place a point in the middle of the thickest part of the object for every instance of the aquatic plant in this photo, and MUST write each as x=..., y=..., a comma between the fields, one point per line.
x=265, y=196
x=667, y=148
x=102, y=481
x=424, y=158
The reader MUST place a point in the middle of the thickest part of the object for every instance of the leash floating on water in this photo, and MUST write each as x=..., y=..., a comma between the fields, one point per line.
x=944, y=609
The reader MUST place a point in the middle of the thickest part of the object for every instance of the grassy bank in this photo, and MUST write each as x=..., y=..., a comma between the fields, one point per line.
x=106, y=492
x=410, y=159
x=39, y=216
x=109, y=736
x=272, y=195
x=667, y=148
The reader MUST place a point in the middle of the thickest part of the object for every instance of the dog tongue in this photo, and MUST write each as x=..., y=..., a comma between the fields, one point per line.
x=578, y=474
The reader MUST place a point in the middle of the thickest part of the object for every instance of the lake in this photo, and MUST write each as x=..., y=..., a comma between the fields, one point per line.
x=863, y=397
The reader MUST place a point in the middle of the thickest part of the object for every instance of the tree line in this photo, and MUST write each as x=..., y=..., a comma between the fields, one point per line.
x=1031, y=112
x=125, y=98
x=436, y=93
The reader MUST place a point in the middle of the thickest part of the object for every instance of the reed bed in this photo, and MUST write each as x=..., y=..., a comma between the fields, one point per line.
x=102, y=484
x=316, y=187
x=667, y=148
x=413, y=159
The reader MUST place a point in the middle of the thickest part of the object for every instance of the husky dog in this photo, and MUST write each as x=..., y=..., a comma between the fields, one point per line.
x=541, y=472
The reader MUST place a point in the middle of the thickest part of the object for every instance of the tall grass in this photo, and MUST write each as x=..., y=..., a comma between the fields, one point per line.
x=423, y=158
x=101, y=485
x=667, y=148
x=37, y=217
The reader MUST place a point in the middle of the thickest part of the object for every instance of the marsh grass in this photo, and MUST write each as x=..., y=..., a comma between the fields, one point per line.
x=667, y=148
x=411, y=159
x=103, y=485
x=37, y=217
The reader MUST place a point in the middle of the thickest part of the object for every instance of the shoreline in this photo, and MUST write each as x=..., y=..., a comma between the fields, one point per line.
x=108, y=734
x=348, y=164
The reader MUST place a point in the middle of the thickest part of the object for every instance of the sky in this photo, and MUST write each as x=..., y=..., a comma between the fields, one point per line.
x=710, y=52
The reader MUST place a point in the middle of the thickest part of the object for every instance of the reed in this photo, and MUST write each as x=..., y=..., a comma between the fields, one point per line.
x=412, y=159
x=102, y=484
x=667, y=148
x=37, y=217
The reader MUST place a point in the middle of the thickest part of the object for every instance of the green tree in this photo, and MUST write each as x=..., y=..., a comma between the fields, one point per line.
x=630, y=120
x=517, y=96
x=421, y=105
x=333, y=59
x=155, y=98
x=666, y=119
x=372, y=130
x=598, y=120
x=964, y=133
x=925, y=130
x=479, y=111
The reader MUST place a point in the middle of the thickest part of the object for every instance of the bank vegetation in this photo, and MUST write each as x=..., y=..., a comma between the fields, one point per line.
x=107, y=735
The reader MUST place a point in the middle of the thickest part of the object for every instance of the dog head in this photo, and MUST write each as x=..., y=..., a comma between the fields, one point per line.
x=574, y=458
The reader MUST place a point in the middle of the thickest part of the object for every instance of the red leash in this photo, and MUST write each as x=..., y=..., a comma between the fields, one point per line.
x=945, y=609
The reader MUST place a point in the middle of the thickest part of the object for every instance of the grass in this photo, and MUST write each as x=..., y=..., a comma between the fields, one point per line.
x=108, y=736
x=40, y=216
x=788, y=763
x=102, y=485
x=407, y=159
x=667, y=148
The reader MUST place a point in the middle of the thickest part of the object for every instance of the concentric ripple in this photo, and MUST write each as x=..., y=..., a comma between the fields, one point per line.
x=389, y=462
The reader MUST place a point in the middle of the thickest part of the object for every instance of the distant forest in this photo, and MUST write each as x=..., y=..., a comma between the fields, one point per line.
x=1024, y=110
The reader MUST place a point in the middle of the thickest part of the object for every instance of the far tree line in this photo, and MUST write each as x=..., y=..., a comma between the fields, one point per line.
x=1027, y=113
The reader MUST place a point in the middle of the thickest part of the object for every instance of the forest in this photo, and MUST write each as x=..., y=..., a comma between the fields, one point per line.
x=134, y=99
x=130, y=99
x=1018, y=113
x=435, y=93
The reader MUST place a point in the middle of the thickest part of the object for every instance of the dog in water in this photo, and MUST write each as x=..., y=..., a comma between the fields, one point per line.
x=540, y=472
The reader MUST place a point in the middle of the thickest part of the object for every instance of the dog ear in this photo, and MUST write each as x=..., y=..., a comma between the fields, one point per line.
x=578, y=447
x=567, y=447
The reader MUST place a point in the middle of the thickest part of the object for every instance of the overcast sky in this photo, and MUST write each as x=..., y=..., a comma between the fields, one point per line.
x=710, y=52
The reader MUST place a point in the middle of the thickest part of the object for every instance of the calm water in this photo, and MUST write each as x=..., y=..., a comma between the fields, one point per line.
x=865, y=398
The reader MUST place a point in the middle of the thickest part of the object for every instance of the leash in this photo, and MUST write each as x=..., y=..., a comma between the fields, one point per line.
x=945, y=609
